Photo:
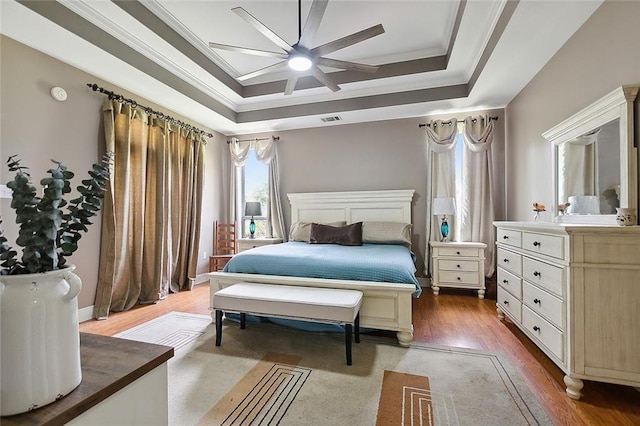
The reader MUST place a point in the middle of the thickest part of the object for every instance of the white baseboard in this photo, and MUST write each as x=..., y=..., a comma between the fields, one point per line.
x=201, y=278
x=85, y=314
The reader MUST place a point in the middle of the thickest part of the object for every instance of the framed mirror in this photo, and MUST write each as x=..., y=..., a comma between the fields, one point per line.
x=595, y=160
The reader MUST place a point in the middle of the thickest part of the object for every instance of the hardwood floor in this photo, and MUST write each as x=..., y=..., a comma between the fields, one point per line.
x=454, y=318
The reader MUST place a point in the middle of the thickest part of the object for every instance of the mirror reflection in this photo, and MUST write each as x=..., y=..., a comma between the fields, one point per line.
x=588, y=172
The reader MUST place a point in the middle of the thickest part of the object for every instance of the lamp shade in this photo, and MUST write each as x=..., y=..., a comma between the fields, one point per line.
x=444, y=205
x=252, y=208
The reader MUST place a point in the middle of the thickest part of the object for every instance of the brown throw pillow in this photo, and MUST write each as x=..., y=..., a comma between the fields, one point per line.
x=350, y=235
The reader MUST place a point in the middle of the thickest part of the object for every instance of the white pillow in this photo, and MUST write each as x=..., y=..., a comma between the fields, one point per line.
x=301, y=231
x=386, y=233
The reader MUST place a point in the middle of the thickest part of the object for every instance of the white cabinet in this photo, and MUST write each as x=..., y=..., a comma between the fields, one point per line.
x=249, y=243
x=458, y=264
x=574, y=291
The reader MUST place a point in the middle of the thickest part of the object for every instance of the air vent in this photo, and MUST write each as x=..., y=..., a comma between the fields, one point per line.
x=330, y=119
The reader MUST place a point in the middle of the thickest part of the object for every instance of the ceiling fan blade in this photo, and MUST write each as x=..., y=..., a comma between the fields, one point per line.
x=262, y=28
x=347, y=41
x=345, y=65
x=324, y=79
x=262, y=71
x=291, y=84
x=313, y=23
x=249, y=51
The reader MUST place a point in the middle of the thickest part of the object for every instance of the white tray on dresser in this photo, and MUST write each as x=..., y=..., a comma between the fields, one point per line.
x=574, y=290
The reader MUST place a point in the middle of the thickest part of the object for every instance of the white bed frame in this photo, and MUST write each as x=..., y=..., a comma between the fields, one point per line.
x=385, y=306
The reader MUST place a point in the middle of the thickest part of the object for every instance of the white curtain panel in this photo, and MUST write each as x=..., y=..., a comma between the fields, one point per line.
x=476, y=209
x=441, y=139
x=266, y=152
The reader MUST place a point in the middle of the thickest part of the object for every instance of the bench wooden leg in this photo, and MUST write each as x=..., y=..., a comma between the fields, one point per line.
x=356, y=324
x=218, y=327
x=243, y=321
x=347, y=340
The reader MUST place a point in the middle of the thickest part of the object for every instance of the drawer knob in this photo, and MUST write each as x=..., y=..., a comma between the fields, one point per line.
x=457, y=266
x=505, y=281
x=457, y=252
x=536, y=274
x=506, y=302
x=505, y=260
x=458, y=278
x=536, y=244
x=536, y=301
x=536, y=328
x=505, y=237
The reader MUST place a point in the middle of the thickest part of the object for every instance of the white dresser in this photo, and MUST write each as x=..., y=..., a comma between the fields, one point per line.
x=458, y=264
x=574, y=290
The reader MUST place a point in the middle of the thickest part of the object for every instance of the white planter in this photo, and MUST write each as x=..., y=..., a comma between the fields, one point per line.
x=40, y=340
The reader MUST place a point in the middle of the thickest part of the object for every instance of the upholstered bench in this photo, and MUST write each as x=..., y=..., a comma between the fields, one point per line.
x=282, y=301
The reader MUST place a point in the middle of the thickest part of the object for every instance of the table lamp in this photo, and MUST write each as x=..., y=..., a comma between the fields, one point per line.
x=252, y=208
x=443, y=206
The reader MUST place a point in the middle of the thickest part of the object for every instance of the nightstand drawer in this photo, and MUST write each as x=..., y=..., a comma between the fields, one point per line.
x=458, y=265
x=250, y=243
x=510, y=261
x=458, y=277
x=543, y=331
x=509, y=237
x=543, y=303
x=549, y=245
x=543, y=275
x=510, y=282
x=460, y=251
x=507, y=303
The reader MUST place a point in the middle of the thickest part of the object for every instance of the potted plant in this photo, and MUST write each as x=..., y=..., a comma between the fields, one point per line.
x=40, y=343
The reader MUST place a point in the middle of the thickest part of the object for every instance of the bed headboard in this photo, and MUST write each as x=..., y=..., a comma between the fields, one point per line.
x=352, y=206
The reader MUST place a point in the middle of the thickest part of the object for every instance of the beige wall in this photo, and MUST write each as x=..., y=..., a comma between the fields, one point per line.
x=601, y=55
x=379, y=155
x=38, y=128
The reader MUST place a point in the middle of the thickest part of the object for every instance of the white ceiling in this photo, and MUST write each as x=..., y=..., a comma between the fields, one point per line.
x=447, y=55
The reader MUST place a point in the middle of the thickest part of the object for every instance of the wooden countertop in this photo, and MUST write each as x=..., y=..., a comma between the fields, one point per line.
x=108, y=365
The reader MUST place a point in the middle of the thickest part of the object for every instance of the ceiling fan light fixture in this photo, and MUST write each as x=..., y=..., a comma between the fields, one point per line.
x=299, y=63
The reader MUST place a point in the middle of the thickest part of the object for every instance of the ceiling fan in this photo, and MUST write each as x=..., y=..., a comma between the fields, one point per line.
x=301, y=56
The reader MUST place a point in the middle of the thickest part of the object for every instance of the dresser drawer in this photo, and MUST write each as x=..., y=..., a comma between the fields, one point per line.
x=458, y=277
x=510, y=261
x=510, y=282
x=509, y=237
x=542, y=274
x=459, y=265
x=543, y=331
x=507, y=303
x=543, y=303
x=460, y=252
x=549, y=245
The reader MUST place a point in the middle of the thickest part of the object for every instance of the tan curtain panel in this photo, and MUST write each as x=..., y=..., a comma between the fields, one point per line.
x=151, y=214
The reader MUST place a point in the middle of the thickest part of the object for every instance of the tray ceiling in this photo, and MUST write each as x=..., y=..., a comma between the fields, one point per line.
x=434, y=56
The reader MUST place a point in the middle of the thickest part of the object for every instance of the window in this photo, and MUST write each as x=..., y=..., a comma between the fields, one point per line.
x=254, y=186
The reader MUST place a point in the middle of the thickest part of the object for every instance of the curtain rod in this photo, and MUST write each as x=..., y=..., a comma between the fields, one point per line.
x=275, y=138
x=148, y=110
x=449, y=122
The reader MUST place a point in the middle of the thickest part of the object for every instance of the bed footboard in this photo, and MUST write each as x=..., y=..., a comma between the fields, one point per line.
x=385, y=306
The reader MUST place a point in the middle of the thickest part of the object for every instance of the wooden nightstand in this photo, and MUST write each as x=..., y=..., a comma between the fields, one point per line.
x=249, y=243
x=459, y=265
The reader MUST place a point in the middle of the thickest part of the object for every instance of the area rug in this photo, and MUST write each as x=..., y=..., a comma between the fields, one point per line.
x=271, y=375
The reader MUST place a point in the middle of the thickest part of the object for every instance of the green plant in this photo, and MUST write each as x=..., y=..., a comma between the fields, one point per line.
x=47, y=233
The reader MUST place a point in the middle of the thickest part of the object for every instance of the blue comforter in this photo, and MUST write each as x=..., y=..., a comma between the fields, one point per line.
x=369, y=262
